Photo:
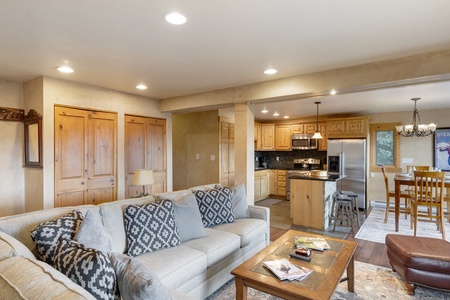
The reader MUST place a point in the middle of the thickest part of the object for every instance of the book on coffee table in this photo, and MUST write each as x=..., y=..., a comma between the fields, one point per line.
x=311, y=243
x=285, y=270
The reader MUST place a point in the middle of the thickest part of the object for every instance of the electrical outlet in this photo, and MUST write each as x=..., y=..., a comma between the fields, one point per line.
x=197, y=156
x=278, y=158
x=213, y=157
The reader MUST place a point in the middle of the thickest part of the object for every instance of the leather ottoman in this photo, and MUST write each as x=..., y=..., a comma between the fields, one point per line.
x=420, y=260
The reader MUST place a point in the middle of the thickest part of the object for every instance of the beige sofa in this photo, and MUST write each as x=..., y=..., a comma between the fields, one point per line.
x=194, y=269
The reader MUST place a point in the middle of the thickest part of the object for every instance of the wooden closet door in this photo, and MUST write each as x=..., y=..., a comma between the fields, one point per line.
x=145, y=148
x=85, y=157
x=226, y=148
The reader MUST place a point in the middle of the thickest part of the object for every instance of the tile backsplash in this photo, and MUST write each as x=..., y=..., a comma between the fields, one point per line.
x=286, y=158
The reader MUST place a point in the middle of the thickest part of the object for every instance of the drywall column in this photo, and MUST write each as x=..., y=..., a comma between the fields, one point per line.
x=244, y=149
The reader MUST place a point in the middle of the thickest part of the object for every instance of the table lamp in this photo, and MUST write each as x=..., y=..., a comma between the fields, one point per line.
x=143, y=177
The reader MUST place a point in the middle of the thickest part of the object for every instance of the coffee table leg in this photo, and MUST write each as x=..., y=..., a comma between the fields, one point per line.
x=241, y=289
x=351, y=275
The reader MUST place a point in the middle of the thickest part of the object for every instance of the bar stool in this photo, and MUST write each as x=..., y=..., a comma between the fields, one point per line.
x=355, y=204
x=343, y=209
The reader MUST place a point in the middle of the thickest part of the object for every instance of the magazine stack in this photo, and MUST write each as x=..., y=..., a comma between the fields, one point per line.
x=285, y=270
x=311, y=243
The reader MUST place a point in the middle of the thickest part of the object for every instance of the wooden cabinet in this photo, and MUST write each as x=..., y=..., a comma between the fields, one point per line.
x=298, y=128
x=85, y=156
x=272, y=182
x=145, y=143
x=348, y=127
x=282, y=137
x=310, y=128
x=281, y=183
x=226, y=153
x=258, y=137
x=267, y=137
x=261, y=184
x=323, y=143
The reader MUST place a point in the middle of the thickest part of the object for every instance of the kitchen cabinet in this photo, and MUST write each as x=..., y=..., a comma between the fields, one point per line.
x=279, y=183
x=272, y=182
x=323, y=143
x=267, y=137
x=298, y=128
x=257, y=137
x=261, y=185
x=310, y=128
x=347, y=127
x=282, y=137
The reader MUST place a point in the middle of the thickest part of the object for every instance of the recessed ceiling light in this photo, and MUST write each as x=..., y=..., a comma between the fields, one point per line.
x=141, y=87
x=333, y=92
x=175, y=18
x=286, y=117
x=264, y=111
x=276, y=114
x=65, y=69
x=270, y=71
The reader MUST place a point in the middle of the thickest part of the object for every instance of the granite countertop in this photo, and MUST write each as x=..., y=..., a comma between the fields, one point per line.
x=322, y=178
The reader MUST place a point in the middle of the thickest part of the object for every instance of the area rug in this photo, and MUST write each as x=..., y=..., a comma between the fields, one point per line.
x=374, y=229
x=371, y=282
x=268, y=202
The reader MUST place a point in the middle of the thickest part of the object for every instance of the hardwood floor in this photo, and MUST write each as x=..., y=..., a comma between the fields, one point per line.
x=368, y=252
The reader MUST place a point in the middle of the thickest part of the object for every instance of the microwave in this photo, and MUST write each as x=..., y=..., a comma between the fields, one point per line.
x=303, y=142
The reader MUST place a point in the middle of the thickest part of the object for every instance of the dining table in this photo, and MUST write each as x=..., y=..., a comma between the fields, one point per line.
x=404, y=179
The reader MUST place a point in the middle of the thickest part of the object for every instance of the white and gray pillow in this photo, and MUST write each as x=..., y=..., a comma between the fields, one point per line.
x=46, y=235
x=239, y=201
x=87, y=267
x=92, y=234
x=135, y=280
x=215, y=206
x=150, y=227
x=188, y=218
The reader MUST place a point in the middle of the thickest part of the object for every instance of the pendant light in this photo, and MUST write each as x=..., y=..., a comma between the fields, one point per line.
x=317, y=134
x=415, y=129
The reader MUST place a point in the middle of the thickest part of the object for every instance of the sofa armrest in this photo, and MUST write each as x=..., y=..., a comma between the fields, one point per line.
x=263, y=213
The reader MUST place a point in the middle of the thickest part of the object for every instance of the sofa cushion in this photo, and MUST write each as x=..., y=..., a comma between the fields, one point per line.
x=24, y=278
x=188, y=218
x=113, y=220
x=10, y=247
x=87, y=267
x=217, y=245
x=174, y=196
x=174, y=266
x=150, y=227
x=239, y=201
x=215, y=206
x=92, y=234
x=249, y=230
x=135, y=280
x=46, y=235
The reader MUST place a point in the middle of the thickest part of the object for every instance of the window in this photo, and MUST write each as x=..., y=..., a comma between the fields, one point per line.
x=384, y=147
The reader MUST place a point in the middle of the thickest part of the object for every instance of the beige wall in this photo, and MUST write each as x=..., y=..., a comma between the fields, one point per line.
x=11, y=161
x=195, y=134
x=419, y=149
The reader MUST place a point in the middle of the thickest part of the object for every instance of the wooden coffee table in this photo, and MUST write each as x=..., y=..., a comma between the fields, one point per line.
x=328, y=268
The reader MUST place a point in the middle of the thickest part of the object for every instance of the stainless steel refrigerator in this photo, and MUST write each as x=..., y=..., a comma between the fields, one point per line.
x=348, y=157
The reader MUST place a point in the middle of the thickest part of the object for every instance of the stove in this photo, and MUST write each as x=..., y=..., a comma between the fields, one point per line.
x=302, y=167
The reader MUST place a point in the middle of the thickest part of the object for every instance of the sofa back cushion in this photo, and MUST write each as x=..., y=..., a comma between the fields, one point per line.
x=92, y=234
x=113, y=221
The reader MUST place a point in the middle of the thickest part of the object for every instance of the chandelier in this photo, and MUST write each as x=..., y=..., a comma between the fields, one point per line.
x=415, y=129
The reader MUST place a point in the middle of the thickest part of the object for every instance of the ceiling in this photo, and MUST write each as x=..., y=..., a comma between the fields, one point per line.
x=119, y=44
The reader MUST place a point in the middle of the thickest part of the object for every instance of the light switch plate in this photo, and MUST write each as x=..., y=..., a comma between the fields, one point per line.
x=406, y=160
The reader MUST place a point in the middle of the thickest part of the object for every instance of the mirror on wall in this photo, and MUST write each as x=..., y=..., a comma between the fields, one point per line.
x=33, y=139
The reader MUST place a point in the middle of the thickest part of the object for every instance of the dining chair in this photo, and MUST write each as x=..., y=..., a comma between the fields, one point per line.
x=391, y=194
x=447, y=200
x=429, y=193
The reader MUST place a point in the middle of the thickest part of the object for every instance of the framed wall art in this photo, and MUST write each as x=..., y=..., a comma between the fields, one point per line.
x=441, y=149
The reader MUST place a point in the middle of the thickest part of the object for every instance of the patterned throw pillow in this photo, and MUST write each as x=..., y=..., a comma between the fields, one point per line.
x=46, y=235
x=150, y=227
x=87, y=267
x=215, y=206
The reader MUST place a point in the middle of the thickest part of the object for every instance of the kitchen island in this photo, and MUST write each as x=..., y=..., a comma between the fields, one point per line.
x=311, y=199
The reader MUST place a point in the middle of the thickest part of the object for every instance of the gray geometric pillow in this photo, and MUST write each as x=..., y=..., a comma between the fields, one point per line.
x=87, y=267
x=238, y=201
x=46, y=235
x=150, y=227
x=215, y=206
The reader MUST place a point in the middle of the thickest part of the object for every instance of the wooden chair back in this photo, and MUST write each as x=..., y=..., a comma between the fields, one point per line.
x=386, y=183
x=422, y=168
x=429, y=188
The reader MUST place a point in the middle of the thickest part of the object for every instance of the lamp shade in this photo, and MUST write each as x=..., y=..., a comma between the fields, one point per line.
x=143, y=177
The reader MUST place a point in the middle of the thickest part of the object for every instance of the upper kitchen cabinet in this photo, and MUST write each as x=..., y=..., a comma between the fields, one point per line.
x=267, y=137
x=283, y=137
x=258, y=137
x=310, y=128
x=323, y=143
x=298, y=128
x=347, y=127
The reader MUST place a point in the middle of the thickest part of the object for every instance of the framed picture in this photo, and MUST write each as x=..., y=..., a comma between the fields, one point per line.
x=441, y=149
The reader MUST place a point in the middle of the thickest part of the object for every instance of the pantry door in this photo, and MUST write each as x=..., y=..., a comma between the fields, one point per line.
x=85, y=156
x=145, y=144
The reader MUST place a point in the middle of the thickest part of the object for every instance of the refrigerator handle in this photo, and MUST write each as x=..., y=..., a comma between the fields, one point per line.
x=342, y=164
